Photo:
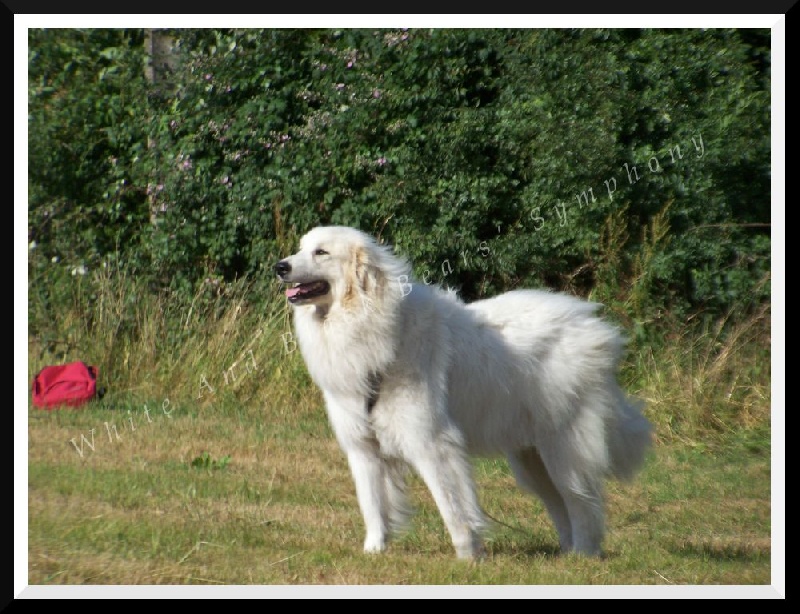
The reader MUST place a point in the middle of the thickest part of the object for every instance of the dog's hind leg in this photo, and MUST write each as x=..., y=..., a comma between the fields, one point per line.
x=577, y=462
x=587, y=517
x=532, y=476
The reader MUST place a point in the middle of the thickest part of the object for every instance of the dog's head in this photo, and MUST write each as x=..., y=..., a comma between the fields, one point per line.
x=337, y=265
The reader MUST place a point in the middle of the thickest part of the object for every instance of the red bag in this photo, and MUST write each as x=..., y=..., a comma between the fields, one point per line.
x=72, y=384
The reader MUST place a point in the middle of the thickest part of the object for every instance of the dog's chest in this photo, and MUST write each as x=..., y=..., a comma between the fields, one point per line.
x=341, y=355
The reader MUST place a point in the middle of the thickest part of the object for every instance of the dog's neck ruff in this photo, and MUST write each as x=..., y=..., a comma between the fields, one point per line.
x=337, y=349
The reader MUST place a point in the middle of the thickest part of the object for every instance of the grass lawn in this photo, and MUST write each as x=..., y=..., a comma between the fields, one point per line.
x=174, y=496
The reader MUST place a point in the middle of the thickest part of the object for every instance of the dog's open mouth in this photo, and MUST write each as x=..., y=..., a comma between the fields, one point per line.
x=302, y=292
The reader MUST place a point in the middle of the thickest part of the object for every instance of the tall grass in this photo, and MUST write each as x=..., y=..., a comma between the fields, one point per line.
x=231, y=344
x=227, y=342
x=709, y=378
x=698, y=376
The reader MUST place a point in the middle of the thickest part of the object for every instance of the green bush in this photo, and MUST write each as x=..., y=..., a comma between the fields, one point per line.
x=86, y=138
x=493, y=159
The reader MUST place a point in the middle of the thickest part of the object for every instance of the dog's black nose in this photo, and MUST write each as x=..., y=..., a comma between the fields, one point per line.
x=282, y=268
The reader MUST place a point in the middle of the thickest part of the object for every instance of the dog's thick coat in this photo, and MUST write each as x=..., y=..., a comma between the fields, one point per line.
x=412, y=376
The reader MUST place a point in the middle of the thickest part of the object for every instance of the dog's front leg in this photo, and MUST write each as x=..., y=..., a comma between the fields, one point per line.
x=447, y=472
x=348, y=418
x=368, y=473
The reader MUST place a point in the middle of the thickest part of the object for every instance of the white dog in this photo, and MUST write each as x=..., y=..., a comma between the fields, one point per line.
x=412, y=376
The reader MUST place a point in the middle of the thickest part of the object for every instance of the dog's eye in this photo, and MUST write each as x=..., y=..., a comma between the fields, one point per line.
x=320, y=252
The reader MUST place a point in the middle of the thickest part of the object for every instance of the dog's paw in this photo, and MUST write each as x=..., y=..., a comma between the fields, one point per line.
x=374, y=544
x=474, y=550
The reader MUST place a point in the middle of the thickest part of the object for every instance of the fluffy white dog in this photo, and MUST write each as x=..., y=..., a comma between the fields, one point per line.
x=412, y=376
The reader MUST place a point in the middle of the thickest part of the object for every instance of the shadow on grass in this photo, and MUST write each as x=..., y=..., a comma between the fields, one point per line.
x=723, y=549
x=531, y=548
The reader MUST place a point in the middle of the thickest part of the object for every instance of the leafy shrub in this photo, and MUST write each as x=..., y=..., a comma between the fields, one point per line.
x=492, y=158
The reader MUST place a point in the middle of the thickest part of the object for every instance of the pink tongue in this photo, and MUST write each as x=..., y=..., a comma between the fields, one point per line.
x=290, y=292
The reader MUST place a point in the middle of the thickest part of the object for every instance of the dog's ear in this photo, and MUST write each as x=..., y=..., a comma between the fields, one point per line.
x=364, y=277
x=361, y=267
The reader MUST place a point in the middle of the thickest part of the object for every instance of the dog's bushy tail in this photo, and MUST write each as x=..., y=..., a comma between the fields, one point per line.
x=629, y=439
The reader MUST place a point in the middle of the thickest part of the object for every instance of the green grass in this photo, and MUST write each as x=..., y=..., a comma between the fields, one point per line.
x=135, y=511
x=239, y=480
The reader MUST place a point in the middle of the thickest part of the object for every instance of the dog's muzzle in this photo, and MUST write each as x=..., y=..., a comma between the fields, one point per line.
x=301, y=291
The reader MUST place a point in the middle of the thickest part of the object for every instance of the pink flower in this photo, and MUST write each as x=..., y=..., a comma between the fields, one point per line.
x=380, y=161
x=376, y=93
